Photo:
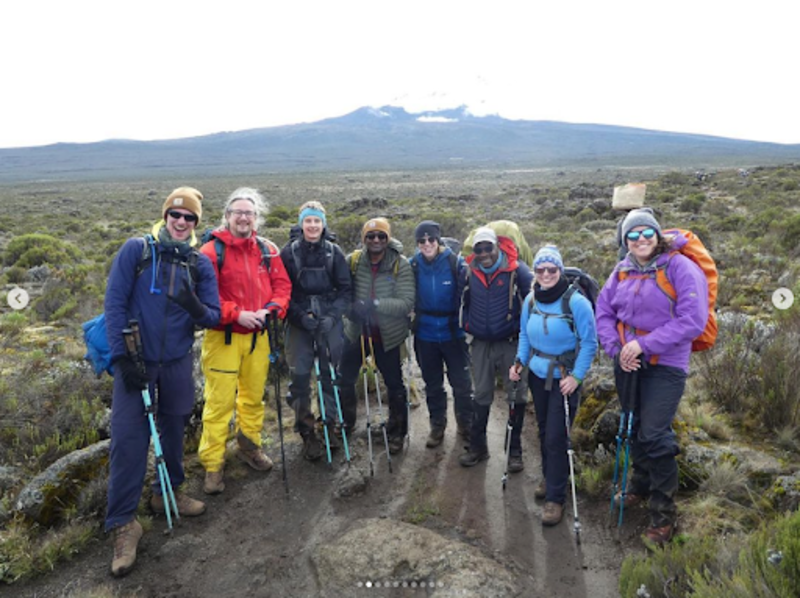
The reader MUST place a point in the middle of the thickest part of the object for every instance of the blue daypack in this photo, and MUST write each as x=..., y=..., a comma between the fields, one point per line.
x=98, y=353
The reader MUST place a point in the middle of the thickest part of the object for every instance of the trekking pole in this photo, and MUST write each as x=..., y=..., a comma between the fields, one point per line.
x=335, y=386
x=366, y=404
x=631, y=399
x=509, y=428
x=576, y=525
x=274, y=353
x=381, y=417
x=411, y=383
x=133, y=345
x=618, y=452
x=321, y=399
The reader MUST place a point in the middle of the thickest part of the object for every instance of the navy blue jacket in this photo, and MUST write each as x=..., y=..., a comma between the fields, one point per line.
x=438, y=296
x=167, y=330
x=486, y=312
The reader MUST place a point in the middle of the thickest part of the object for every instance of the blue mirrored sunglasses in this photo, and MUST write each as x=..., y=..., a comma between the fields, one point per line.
x=647, y=233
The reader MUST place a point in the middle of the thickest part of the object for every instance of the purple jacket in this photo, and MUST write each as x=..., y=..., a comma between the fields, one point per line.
x=639, y=303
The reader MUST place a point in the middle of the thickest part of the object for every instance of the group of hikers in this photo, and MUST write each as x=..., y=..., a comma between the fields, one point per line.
x=529, y=324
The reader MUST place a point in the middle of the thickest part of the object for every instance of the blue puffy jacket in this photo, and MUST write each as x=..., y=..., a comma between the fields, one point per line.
x=438, y=296
x=487, y=314
x=167, y=330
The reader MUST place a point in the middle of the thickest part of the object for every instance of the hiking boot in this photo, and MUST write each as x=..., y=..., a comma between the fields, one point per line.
x=540, y=492
x=515, y=464
x=631, y=500
x=312, y=447
x=472, y=458
x=396, y=444
x=552, y=513
x=126, y=539
x=463, y=430
x=436, y=437
x=255, y=458
x=187, y=506
x=213, y=483
x=660, y=535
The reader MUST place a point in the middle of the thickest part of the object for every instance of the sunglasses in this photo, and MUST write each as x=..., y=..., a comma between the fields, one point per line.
x=647, y=233
x=548, y=269
x=483, y=249
x=427, y=240
x=179, y=215
x=373, y=236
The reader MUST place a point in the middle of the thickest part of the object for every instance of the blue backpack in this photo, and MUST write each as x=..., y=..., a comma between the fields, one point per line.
x=98, y=353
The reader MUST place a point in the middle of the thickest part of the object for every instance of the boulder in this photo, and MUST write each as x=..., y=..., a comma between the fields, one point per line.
x=383, y=553
x=58, y=487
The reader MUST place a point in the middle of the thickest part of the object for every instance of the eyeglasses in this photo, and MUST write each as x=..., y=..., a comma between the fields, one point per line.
x=479, y=249
x=647, y=233
x=179, y=215
x=245, y=213
x=426, y=240
x=548, y=269
x=373, y=236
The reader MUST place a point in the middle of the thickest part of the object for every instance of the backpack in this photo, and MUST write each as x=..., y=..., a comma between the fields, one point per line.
x=98, y=352
x=697, y=252
x=329, y=253
x=505, y=228
x=579, y=282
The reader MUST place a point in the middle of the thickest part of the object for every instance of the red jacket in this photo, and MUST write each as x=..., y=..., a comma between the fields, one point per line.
x=244, y=281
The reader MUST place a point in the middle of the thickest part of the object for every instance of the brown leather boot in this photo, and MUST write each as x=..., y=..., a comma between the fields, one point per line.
x=126, y=539
x=213, y=483
x=552, y=513
x=187, y=506
x=252, y=454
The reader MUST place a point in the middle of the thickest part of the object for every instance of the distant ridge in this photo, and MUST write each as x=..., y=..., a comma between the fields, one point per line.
x=388, y=137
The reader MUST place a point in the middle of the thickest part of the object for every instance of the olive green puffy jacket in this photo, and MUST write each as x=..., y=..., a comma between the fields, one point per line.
x=394, y=287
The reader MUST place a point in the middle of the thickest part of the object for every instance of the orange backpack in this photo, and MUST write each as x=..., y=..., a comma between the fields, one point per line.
x=697, y=252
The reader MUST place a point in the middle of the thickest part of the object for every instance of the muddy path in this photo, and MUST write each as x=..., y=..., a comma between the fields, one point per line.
x=256, y=539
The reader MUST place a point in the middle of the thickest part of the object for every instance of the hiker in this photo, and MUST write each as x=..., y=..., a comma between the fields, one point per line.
x=321, y=293
x=491, y=314
x=557, y=343
x=169, y=288
x=439, y=341
x=649, y=336
x=383, y=297
x=235, y=357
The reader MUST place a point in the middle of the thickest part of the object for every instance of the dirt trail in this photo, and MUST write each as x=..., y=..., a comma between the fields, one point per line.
x=256, y=541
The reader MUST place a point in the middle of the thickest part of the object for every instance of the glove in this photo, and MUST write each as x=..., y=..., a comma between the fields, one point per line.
x=134, y=379
x=309, y=322
x=361, y=310
x=189, y=301
x=326, y=324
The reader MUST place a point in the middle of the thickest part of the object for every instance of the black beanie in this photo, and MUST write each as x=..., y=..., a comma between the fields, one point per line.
x=428, y=228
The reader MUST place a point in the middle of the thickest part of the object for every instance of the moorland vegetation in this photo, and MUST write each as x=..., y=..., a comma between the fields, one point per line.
x=740, y=528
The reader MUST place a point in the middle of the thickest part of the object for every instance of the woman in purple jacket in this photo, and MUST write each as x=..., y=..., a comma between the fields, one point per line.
x=649, y=336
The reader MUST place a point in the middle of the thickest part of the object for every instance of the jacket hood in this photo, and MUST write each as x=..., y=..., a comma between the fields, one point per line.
x=508, y=247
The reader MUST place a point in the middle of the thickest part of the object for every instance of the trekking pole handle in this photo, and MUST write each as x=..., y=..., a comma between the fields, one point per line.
x=130, y=342
x=137, y=336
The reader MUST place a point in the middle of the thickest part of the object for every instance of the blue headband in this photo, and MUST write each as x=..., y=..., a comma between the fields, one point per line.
x=311, y=212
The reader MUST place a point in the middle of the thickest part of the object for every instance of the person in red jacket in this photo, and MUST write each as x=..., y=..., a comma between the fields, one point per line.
x=252, y=283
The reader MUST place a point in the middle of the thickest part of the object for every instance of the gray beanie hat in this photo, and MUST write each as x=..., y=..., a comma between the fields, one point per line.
x=640, y=217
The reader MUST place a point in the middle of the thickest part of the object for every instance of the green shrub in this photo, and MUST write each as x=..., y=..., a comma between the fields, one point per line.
x=790, y=239
x=37, y=249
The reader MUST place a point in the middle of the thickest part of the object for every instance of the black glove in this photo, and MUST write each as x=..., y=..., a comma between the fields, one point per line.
x=361, y=310
x=189, y=301
x=133, y=378
x=309, y=322
x=326, y=324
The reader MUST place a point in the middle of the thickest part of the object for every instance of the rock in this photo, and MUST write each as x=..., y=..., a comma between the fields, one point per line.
x=383, y=551
x=59, y=486
x=786, y=491
x=353, y=483
x=38, y=273
x=605, y=428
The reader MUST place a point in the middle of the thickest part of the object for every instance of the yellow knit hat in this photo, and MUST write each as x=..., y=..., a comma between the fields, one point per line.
x=187, y=198
x=376, y=224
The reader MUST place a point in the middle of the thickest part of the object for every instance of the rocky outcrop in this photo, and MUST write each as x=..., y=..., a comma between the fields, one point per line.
x=60, y=486
x=380, y=553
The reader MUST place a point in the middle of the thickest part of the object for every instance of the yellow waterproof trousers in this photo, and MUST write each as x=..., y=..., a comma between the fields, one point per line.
x=235, y=376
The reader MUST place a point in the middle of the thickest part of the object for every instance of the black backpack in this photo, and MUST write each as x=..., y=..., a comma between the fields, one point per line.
x=219, y=248
x=580, y=282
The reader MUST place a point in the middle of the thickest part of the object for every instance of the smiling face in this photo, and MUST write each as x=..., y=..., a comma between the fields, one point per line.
x=241, y=218
x=547, y=274
x=428, y=247
x=486, y=253
x=376, y=242
x=312, y=228
x=180, y=223
x=641, y=247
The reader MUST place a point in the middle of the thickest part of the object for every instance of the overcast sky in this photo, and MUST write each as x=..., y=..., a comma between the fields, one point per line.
x=80, y=70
